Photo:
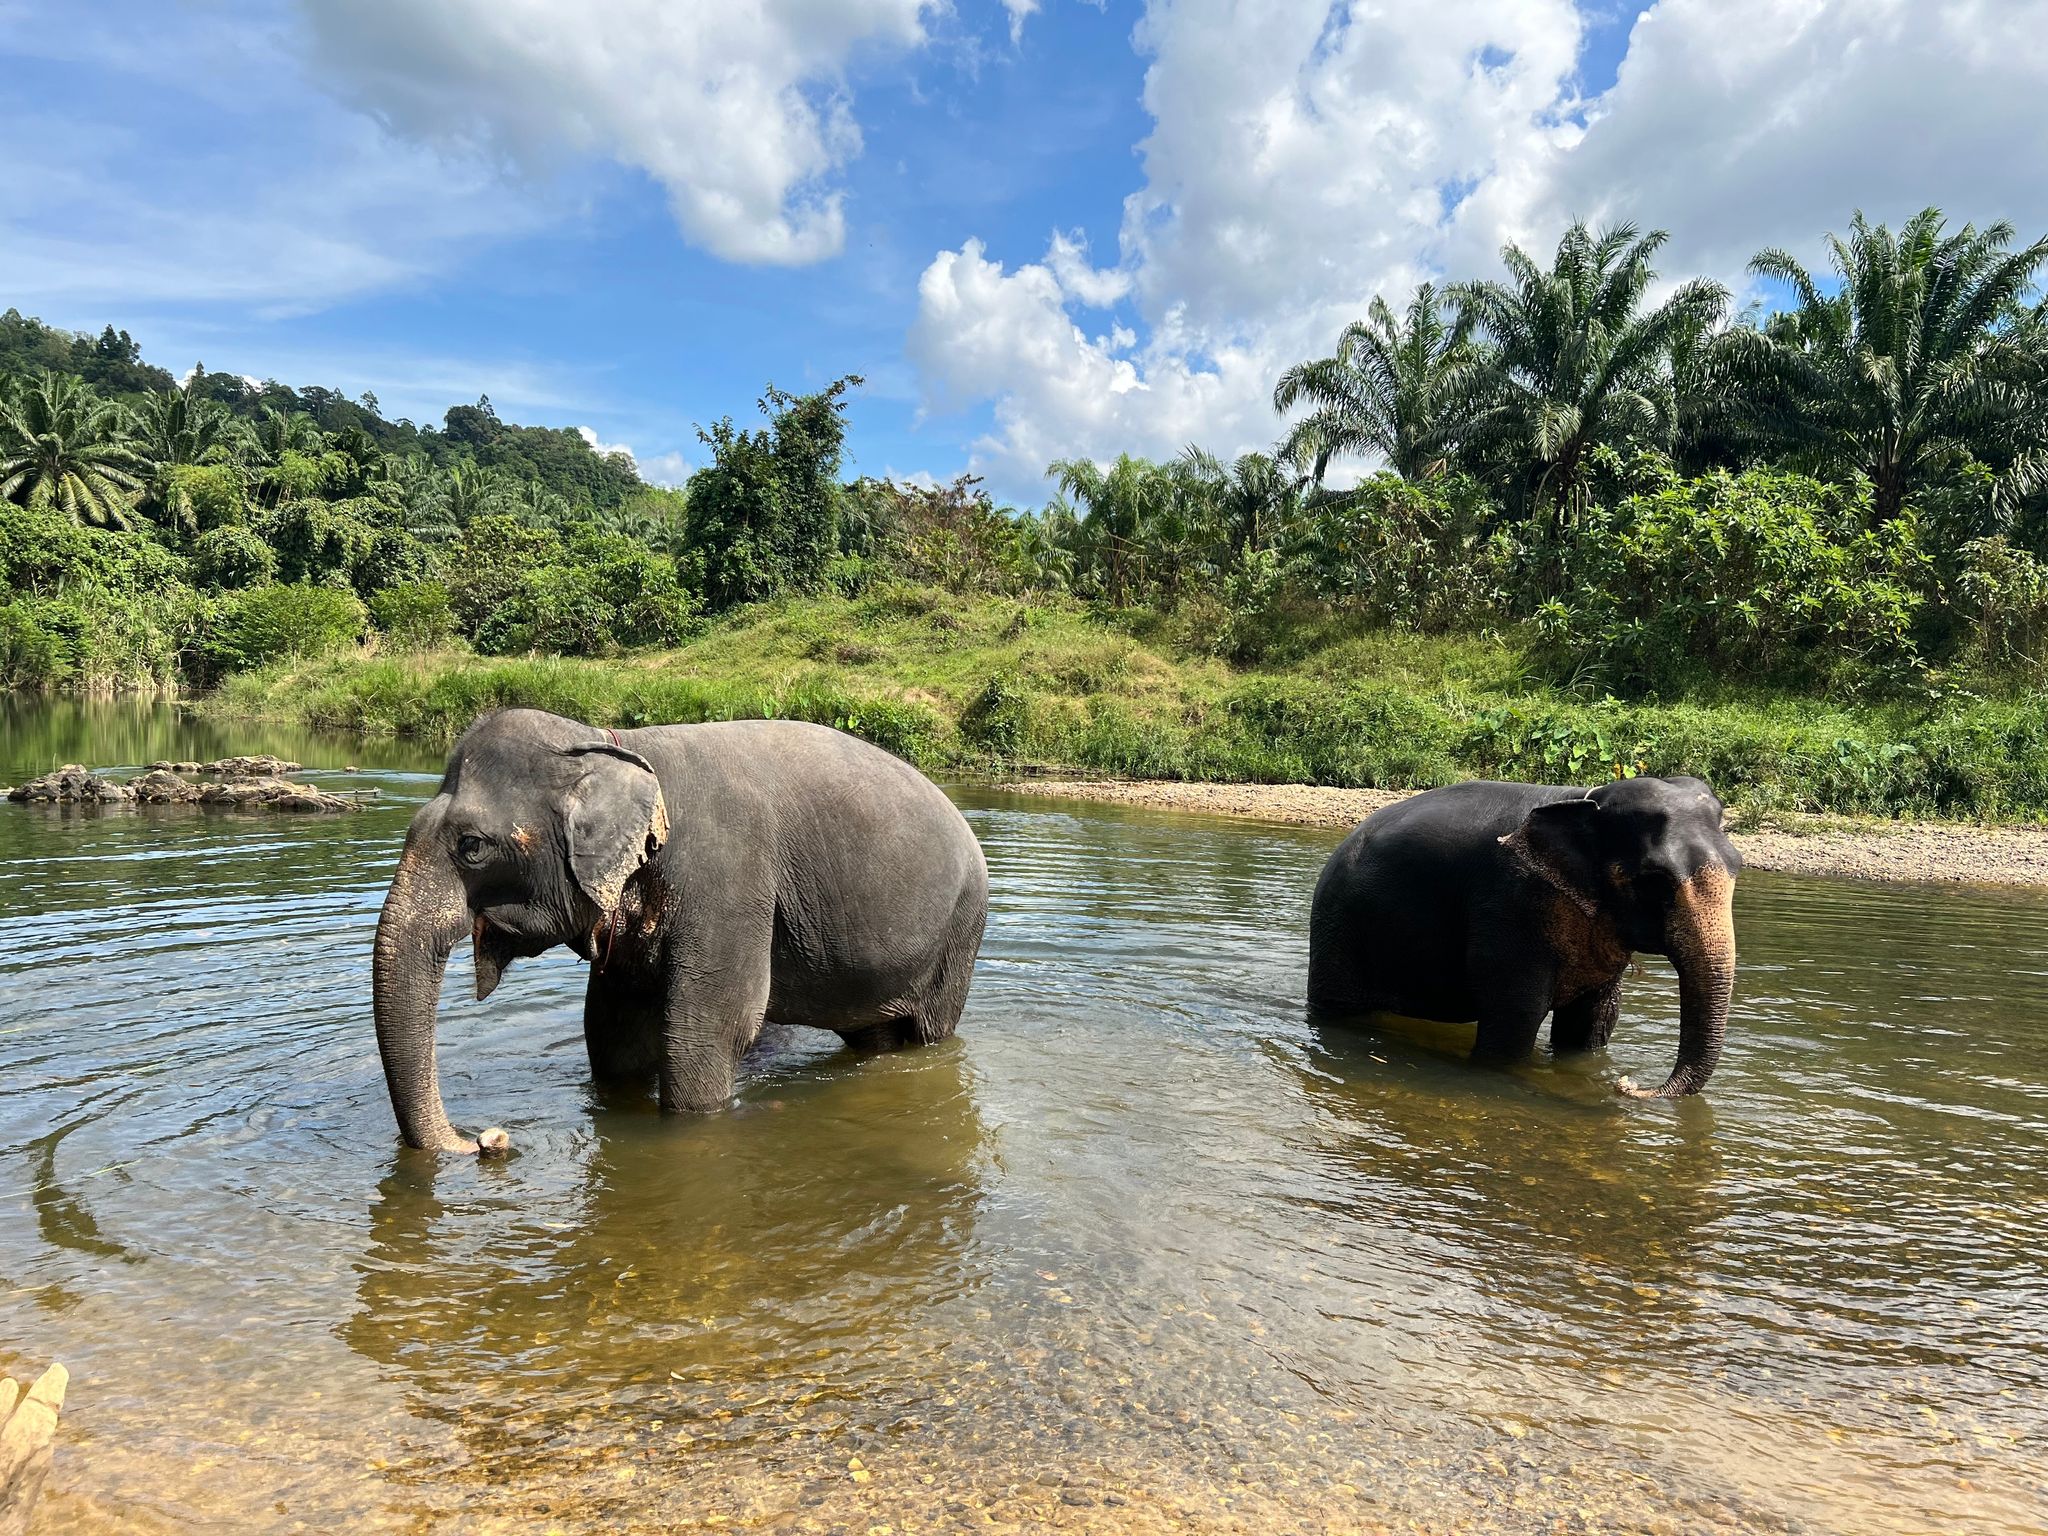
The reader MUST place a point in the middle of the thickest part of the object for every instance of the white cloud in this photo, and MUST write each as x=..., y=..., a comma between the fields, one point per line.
x=601, y=449
x=1737, y=124
x=738, y=110
x=1306, y=155
x=1298, y=163
x=1019, y=10
x=669, y=469
x=94, y=213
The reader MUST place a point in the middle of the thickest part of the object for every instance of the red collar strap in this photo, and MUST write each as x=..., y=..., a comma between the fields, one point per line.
x=609, y=734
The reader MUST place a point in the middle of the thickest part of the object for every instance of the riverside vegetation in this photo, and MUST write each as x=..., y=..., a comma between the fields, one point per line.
x=1801, y=553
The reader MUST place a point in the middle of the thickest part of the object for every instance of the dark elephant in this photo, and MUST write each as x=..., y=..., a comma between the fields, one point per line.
x=715, y=877
x=1504, y=903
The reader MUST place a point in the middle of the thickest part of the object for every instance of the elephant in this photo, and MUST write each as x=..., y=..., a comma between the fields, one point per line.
x=715, y=876
x=1504, y=903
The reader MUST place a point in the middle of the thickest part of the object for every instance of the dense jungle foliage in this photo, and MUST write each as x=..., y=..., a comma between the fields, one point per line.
x=1656, y=504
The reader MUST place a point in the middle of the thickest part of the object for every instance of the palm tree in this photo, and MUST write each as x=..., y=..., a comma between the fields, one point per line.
x=1576, y=360
x=1395, y=389
x=276, y=432
x=1916, y=360
x=1120, y=506
x=1046, y=544
x=536, y=503
x=1253, y=500
x=474, y=492
x=62, y=446
x=177, y=429
x=417, y=494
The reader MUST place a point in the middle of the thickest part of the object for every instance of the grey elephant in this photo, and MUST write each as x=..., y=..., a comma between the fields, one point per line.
x=715, y=877
x=1507, y=903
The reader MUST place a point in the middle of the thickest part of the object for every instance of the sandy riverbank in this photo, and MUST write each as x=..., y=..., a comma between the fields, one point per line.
x=1807, y=845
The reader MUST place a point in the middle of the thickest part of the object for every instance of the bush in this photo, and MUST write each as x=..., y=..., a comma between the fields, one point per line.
x=1410, y=555
x=271, y=623
x=416, y=614
x=1768, y=577
x=2002, y=593
x=233, y=557
x=998, y=718
x=392, y=558
x=314, y=541
x=215, y=493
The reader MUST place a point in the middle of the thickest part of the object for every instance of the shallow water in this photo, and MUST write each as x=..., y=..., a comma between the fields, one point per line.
x=1139, y=1250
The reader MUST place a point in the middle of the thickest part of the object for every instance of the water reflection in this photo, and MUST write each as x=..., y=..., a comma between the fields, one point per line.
x=1140, y=1234
x=753, y=1276
x=1539, y=1190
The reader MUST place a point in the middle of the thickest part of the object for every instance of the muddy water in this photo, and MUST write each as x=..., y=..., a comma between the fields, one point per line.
x=1140, y=1250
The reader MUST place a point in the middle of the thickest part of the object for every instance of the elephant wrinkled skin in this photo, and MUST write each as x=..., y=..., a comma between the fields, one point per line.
x=1504, y=903
x=716, y=876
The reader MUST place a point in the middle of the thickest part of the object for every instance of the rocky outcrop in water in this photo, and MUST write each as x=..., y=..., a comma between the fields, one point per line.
x=262, y=766
x=248, y=784
x=28, y=1429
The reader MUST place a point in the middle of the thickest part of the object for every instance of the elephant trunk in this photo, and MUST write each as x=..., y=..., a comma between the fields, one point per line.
x=425, y=913
x=1701, y=943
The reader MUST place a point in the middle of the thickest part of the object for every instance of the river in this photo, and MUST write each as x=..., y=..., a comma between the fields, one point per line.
x=1139, y=1250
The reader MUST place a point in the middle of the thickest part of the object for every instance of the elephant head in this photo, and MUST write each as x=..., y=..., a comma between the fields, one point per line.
x=1649, y=857
x=538, y=826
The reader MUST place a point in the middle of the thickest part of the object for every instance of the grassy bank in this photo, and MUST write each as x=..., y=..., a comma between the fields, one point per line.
x=997, y=684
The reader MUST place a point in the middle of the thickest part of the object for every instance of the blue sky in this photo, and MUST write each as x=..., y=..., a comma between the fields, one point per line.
x=1036, y=229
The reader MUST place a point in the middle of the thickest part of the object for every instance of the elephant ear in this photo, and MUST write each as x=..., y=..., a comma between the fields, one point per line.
x=1562, y=840
x=614, y=820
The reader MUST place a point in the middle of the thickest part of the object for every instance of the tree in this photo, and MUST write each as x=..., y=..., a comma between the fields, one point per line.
x=1121, y=506
x=415, y=495
x=1395, y=389
x=1575, y=362
x=1916, y=361
x=473, y=493
x=762, y=515
x=1253, y=500
x=64, y=447
x=179, y=431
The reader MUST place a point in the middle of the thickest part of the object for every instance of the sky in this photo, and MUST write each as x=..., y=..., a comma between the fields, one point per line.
x=1037, y=229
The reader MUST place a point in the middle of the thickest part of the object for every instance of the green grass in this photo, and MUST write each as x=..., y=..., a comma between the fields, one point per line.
x=997, y=685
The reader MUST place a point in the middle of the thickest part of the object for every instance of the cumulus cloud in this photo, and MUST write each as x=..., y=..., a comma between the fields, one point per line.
x=1305, y=155
x=669, y=469
x=602, y=449
x=739, y=111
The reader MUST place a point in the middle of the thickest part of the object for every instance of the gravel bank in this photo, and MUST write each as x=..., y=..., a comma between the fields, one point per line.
x=1862, y=850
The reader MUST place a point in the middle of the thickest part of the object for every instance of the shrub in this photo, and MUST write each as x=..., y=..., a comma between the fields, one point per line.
x=233, y=557
x=2002, y=592
x=998, y=718
x=416, y=614
x=275, y=622
x=1766, y=576
x=314, y=541
x=392, y=558
x=214, y=492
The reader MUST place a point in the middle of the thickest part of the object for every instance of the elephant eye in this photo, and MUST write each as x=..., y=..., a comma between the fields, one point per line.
x=469, y=848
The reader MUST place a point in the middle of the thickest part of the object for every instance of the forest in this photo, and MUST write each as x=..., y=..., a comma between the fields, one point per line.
x=1592, y=495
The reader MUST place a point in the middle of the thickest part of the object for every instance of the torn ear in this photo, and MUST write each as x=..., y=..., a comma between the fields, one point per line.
x=614, y=821
x=1562, y=839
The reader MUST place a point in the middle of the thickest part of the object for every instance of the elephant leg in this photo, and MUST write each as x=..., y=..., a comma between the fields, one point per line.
x=1515, y=996
x=1586, y=1023
x=1507, y=1034
x=622, y=1028
x=714, y=1014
